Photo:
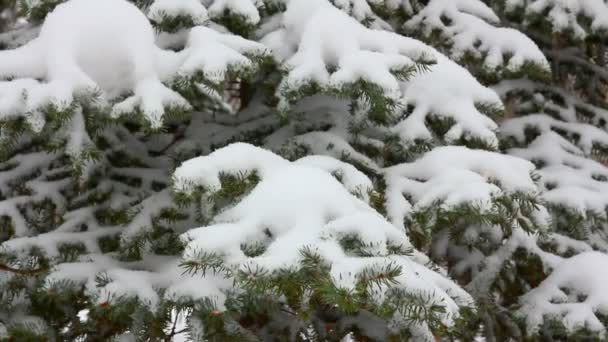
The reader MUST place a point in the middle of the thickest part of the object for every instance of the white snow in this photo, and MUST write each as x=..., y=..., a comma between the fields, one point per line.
x=314, y=33
x=355, y=181
x=471, y=30
x=246, y=9
x=448, y=91
x=204, y=171
x=311, y=209
x=454, y=175
x=77, y=51
x=573, y=294
x=588, y=134
x=570, y=174
x=318, y=200
x=229, y=52
x=193, y=9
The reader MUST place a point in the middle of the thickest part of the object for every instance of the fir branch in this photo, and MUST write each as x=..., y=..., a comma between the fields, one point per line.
x=26, y=272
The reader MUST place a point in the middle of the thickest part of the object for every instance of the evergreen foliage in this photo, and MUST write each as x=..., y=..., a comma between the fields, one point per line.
x=303, y=170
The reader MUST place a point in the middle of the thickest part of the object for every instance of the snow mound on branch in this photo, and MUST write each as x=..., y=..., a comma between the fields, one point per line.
x=229, y=52
x=247, y=9
x=316, y=45
x=569, y=178
x=468, y=24
x=193, y=9
x=77, y=51
x=203, y=172
x=447, y=91
x=574, y=294
x=353, y=180
x=298, y=205
x=588, y=135
x=78, y=54
x=454, y=175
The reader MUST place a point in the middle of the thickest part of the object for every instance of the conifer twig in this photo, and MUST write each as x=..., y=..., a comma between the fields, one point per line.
x=7, y=268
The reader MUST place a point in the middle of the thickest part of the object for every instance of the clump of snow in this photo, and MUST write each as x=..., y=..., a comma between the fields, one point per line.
x=588, y=135
x=355, y=181
x=229, y=52
x=319, y=52
x=454, y=175
x=568, y=176
x=298, y=205
x=574, y=294
x=246, y=9
x=567, y=145
x=204, y=171
x=469, y=26
x=77, y=53
x=193, y=9
x=78, y=138
x=447, y=91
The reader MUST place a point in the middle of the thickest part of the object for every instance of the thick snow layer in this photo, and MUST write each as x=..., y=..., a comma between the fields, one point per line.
x=204, y=171
x=228, y=52
x=193, y=9
x=359, y=9
x=543, y=123
x=447, y=91
x=567, y=175
x=469, y=26
x=574, y=294
x=77, y=53
x=454, y=175
x=355, y=181
x=311, y=42
x=570, y=175
x=246, y=9
x=299, y=205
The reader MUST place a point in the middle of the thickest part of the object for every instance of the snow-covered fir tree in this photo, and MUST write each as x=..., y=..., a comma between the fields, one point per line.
x=303, y=170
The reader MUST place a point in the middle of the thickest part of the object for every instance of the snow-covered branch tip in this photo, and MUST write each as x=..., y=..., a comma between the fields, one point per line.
x=65, y=58
x=367, y=63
